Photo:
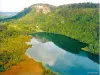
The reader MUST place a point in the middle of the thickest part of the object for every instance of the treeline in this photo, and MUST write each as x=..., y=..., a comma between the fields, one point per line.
x=79, y=21
x=81, y=5
x=19, y=15
x=81, y=24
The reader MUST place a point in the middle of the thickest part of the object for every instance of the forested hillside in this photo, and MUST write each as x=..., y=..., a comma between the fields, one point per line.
x=78, y=21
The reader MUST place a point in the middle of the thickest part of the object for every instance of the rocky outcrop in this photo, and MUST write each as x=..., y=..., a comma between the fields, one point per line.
x=44, y=8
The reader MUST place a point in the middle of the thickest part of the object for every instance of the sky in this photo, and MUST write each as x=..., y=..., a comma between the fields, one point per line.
x=18, y=5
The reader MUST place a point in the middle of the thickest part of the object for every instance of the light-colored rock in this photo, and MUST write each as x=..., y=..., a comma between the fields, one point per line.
x=42, y=8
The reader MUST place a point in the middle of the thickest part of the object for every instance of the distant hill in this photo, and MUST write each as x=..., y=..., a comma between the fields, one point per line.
x=45, y=8
x=7, y=14
x=79, y=21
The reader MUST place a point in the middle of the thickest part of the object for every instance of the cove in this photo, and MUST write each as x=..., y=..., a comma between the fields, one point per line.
x=63, y=54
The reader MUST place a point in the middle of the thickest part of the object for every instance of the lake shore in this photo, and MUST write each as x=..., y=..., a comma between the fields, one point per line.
x=26, y=67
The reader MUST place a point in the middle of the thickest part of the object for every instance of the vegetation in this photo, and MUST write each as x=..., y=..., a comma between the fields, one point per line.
x=78, y=21
x=12, y=47
x=80, y=24
x=49, y=72
x=19, y=15
x=81, y=5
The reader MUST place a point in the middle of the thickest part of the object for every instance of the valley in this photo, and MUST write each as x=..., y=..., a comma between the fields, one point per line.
x=72, y=29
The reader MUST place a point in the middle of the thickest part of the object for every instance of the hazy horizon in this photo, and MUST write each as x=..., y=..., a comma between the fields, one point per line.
x=19, y=5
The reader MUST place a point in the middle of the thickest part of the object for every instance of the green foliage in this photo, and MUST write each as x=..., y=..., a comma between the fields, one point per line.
x=8, y=59
x=78, y=21
x=19, y=15
x=81, y=24
x=81, y=5
x=49, y=72
x=12, y=45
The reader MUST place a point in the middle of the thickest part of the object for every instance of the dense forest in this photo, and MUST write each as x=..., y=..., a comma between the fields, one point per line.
x=78, y=21
x=81, y=24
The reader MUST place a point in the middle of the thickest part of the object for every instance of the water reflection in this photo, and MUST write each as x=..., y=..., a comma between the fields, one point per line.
x=66, y=43
x=46, y=52
x=61, y=59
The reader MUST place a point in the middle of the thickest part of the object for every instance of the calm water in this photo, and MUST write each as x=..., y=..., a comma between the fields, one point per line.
x=63, y=54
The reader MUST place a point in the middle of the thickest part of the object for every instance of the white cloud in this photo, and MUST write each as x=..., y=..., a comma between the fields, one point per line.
x=18, y=5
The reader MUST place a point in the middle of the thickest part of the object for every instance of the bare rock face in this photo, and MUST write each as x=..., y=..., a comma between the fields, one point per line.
x=44, y=8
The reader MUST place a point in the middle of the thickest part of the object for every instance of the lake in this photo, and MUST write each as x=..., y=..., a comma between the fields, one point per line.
x=63, y=54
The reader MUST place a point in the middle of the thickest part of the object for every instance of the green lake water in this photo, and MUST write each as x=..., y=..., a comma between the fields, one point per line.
x=63, y=54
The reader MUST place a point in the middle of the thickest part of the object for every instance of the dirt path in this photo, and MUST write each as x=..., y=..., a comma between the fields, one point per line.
x=27, y=67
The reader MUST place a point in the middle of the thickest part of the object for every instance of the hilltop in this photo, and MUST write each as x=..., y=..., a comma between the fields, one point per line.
x=70, y=20
x=46, y=8
x=79, y=21
x=38, y=8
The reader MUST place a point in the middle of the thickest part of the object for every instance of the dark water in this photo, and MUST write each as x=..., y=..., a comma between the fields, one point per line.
x=63, y=54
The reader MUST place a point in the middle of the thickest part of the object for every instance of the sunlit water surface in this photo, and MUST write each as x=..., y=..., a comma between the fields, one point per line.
x=60, y=60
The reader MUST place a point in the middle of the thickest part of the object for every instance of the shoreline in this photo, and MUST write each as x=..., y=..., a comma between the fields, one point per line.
x=26, y=67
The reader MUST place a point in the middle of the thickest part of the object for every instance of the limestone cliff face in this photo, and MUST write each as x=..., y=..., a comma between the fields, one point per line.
x=44, y=8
